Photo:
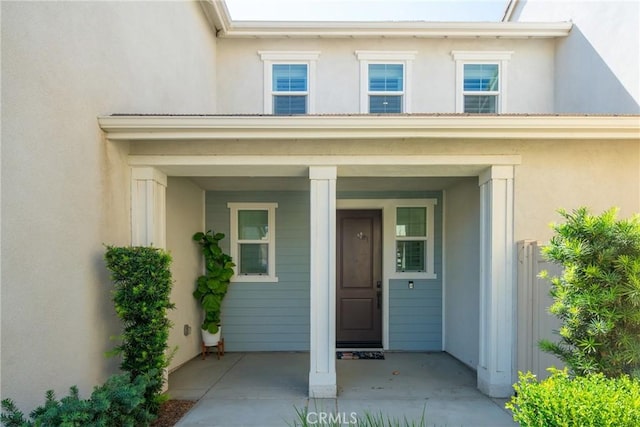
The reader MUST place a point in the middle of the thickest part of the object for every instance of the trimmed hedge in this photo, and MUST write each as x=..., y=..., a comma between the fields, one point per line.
x=142, y=280
x=560, y=400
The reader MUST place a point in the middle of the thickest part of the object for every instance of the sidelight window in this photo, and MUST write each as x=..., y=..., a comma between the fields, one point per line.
x=411, y=239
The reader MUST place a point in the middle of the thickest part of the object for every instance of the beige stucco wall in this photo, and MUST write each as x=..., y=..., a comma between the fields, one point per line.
x=185, y=216
x=553, y=174
x=240, y=75
x=598, y=64
x=66, y=189
x=570, y=174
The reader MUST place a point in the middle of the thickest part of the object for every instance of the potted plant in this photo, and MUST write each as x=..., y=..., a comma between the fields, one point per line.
x=212, y=286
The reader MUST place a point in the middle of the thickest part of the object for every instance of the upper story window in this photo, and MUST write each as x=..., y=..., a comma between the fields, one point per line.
x=289, y=82
x=385, y=80
x=253, y=246
x=481, y=88
x=290, y=88
x=481, y=81
x=386, y=88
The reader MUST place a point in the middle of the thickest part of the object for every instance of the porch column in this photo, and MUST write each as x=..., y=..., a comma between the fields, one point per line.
x=322, y=352
x=148, y=207
x=497, y=282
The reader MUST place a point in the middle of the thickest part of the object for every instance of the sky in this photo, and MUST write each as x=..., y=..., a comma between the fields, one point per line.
x=367, y=10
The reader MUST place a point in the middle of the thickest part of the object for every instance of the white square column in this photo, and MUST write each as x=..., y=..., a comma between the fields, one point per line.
x=497, y=282
x=322, y=351
x=148, y=207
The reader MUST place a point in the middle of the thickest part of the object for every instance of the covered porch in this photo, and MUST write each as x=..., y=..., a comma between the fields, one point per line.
x=263, y=388
x=319, y=157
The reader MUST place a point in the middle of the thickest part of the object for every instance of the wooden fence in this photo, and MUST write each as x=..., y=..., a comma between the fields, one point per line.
x=534, y=320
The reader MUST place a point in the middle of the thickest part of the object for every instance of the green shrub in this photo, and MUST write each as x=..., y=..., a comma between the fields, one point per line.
x=119, y=402
x=142, y=288
x=597, y=297
x=592, y=400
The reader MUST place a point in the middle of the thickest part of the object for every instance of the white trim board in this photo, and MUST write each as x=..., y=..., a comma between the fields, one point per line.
x=145, y=128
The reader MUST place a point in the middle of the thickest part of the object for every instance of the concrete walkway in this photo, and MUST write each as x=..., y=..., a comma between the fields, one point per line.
x=266, y=389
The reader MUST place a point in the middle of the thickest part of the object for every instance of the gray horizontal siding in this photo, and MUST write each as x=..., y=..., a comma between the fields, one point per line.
x=269, y=316
x=415, y=315
x=275, y=316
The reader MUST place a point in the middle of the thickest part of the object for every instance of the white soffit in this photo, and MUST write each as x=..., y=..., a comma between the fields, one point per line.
x=218, y=16
x=202, y=128
x=272, y=29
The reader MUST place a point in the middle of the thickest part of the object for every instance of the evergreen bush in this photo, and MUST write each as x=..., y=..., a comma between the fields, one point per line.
x=597, y=297
x=142, y=280
x=119, y=402
x=591, y=400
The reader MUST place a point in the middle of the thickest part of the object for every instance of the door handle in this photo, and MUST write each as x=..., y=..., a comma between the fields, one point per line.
x=379, y=298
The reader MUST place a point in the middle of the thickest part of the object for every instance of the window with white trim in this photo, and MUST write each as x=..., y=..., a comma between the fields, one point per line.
x=481, y=81
x=289, y=82
x=386, y=88
x=414, y=234
x=385, y=81
x=253, y=246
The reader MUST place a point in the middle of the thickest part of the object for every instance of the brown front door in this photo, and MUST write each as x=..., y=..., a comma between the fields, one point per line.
x=359, y=278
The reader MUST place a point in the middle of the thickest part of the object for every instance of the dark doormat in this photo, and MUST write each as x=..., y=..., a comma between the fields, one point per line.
x=360, y=355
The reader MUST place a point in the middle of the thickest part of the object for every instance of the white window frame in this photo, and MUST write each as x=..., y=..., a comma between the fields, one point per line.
x=367, y=57
x=501, y=58
x=270, y=241
x=271, y=57
x=429, y=205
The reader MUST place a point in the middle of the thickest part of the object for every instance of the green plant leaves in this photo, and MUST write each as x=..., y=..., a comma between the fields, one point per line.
x=119, y=402
x=597, y=297
x=211, y=302
x=591, y=400
x=142, y=287
x=212, y=287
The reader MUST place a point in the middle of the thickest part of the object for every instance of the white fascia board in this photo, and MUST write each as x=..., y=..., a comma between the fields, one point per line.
x=508, y=12
x=277, y=29
x=217, y=14
x=193, y=128
x=220, y=19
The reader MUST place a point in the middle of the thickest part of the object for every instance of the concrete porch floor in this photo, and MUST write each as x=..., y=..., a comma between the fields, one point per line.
x=264, y=389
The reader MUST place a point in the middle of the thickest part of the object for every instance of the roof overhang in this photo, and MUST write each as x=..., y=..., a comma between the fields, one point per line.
x=219, y=18
x=415, y=126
